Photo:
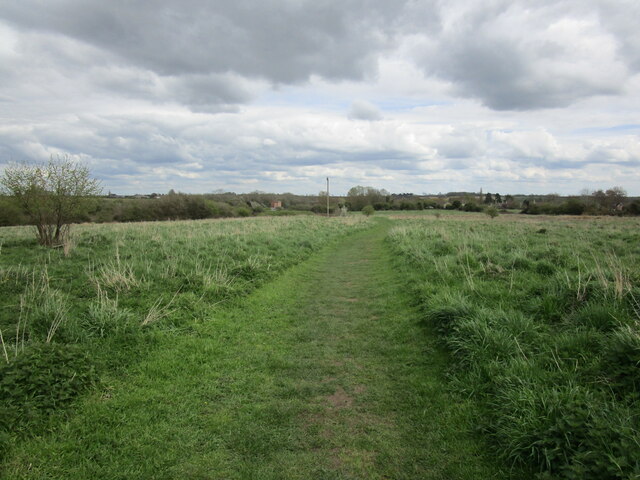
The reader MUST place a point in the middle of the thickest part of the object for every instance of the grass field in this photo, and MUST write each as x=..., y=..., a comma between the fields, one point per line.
x=402, y=346
x=68, y=316
x=542, y=319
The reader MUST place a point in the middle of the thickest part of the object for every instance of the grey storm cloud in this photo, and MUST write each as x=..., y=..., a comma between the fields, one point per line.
x=281, y=41
x=509, y=54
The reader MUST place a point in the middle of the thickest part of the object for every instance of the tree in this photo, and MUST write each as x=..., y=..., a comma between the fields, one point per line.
x=615, y=196
x=600, y=199
x=358, y=197
x=455, y=205
x=52, y=195
x=510, y=201
x=488, y=199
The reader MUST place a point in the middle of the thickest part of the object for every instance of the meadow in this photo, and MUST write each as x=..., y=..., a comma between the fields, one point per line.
x=542, y=321
x=432, y=344
x=68, y=316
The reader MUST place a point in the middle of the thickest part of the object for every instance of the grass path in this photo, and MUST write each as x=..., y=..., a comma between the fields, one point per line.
x=323, y=374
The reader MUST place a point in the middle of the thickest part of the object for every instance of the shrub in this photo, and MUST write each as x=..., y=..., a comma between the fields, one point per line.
x=196, y=207
x=492, y=212
x=368, y=210
x=243, y=212
x=471, y=207
x=572, y=207
x=322, y=209
x=220, y=209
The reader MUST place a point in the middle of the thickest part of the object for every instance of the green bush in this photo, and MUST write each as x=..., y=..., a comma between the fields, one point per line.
x=569, y=207
x=368, y=210
x=220, y=209
x=492, y=212
x=572, y=207
x=471, y=207
x=243, y=212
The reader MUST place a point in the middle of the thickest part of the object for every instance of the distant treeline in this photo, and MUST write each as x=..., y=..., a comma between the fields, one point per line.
x=175, y=206
x=180, y=206
x=613, y=201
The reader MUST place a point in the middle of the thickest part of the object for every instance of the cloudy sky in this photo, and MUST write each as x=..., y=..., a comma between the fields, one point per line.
x=418, y=96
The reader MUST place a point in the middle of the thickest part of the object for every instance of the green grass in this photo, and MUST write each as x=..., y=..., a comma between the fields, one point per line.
x=405, y=346
x=122, y=290
x=322, y=373
x=542, y=321
x=181, y=267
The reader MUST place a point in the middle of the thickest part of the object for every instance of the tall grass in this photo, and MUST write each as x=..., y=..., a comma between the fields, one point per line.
x=541, y=320
x=99, y=305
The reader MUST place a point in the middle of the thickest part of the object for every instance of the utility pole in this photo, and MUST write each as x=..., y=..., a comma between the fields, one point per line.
x=327, y=196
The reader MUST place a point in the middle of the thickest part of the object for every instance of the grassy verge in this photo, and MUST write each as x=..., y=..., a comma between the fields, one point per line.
x=543, y=324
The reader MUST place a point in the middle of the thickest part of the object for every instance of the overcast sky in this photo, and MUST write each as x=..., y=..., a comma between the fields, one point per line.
x=415, y=96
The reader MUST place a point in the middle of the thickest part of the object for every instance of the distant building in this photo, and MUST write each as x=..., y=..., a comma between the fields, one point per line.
x=276, y=204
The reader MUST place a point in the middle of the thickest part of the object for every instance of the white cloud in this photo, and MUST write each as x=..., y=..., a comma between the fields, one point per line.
x=449, y=95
